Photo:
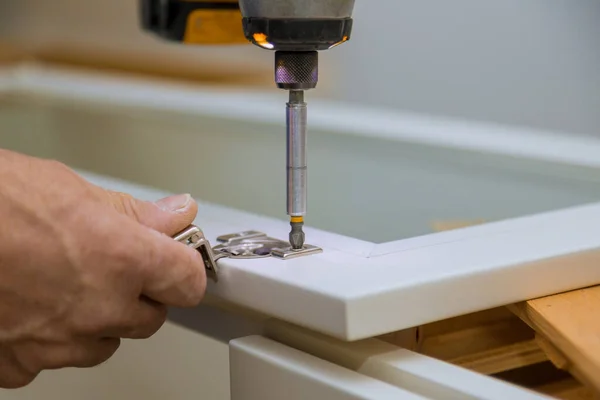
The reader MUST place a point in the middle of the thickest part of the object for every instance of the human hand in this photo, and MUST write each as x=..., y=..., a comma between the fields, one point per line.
x=82, y=267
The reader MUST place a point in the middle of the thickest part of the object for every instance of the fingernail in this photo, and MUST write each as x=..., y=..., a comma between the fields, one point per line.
x=174, y=203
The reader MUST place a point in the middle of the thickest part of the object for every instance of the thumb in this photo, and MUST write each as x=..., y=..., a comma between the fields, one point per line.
x=169, y=215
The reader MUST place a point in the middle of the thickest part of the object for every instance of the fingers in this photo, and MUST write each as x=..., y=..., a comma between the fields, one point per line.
x=149, y=316
x=140, y=321
x=169, y=215
x=174, y=274
x=21, y=364
x=13, y=374
x=83, y=353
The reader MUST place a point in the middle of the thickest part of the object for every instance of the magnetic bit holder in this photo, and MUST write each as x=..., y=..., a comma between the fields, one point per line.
x=241, y=245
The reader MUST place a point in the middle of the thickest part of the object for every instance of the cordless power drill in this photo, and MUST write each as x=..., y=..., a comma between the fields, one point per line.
x=294, y=29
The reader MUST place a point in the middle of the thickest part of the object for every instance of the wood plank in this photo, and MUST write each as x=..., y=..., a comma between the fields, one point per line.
x=554, y=355
x=570, y=322
x=504, y=358
x=9, y=54
x=487, y=342
x=467, y=321
x=569, y=389
x=410, y=339
x=472, y=340
x=176, y=67
x=143, y=63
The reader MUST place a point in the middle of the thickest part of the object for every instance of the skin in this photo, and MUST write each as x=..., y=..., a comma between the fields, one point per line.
x=82, y=267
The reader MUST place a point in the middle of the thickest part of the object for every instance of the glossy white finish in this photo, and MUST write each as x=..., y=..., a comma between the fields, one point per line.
x=261, y=369
x=355, y=289
x=358, y=289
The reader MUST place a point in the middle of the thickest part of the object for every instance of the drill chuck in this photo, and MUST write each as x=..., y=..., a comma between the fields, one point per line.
x=296, y=70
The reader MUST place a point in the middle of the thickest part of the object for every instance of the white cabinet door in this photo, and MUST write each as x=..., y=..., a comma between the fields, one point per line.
x=262, y=369
x=356, y=288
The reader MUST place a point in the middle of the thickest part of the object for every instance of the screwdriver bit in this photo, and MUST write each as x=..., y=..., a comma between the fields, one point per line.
x=297, y=234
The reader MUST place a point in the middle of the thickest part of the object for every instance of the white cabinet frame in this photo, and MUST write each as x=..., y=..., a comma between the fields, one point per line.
x=357, y=289
x=262, y=369
x=286, y=357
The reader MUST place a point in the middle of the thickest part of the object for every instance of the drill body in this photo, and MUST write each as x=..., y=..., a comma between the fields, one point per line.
x=294, y=29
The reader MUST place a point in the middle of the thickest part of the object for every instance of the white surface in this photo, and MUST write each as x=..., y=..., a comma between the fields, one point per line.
x=357, y=289
x=406, y=369
x=262, y=369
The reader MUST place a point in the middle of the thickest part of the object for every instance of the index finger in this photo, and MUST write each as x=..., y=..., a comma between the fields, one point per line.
x=175, y=274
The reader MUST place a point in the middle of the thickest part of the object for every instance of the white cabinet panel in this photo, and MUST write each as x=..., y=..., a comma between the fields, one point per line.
x=352, y=293
x=262, y=369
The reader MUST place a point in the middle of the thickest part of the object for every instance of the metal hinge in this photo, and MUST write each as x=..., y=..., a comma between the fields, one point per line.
x=246, y=244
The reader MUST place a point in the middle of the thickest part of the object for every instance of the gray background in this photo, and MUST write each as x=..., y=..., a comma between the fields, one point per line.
x=534, y=63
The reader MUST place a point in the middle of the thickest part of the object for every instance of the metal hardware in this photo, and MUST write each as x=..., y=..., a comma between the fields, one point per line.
x=194, y=237
x=248, y=244
x=241, y=245
x=235, y=237
x=254, y=244
x=288, y=252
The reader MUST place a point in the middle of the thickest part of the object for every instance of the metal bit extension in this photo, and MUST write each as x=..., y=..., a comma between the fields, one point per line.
x=296, y=166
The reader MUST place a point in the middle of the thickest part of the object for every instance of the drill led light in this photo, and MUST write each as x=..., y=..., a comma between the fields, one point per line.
x=261, y=40
x=345, y=39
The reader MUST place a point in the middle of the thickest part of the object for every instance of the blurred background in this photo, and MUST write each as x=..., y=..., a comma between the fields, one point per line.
x=529, y=64
x=533, y=63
